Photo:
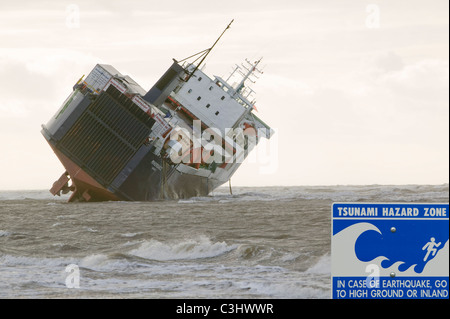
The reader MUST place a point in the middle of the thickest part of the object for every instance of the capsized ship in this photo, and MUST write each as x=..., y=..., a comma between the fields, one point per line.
x=183, y=138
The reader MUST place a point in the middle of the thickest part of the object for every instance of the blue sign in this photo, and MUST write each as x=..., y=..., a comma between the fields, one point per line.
x=395, y=250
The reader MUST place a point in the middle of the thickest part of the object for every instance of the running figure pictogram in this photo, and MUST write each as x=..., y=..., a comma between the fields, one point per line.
x=430, y=246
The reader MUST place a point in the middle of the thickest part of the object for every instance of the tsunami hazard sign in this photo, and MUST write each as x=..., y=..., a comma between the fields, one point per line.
x=390, y=251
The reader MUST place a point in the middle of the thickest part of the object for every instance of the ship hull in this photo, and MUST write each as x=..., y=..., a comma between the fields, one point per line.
x=83, y=186
x=145, y=183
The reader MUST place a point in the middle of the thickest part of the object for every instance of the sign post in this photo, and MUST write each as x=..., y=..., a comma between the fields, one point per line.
x=390, y=251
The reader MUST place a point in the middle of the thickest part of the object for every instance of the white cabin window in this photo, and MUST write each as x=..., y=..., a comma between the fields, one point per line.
x=208, y=105
x=222, y=98
x=217, y=113
x=199, y=98
x=190, y=91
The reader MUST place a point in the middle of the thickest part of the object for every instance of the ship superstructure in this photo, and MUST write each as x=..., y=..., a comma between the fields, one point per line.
x=183, y=138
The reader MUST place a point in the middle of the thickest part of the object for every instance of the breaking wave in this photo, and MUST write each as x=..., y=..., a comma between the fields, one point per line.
x=199, y=248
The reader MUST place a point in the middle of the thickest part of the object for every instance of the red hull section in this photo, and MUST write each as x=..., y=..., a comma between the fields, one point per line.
x=84, y=187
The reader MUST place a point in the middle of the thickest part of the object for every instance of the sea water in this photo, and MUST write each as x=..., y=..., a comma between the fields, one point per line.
x=259, y=242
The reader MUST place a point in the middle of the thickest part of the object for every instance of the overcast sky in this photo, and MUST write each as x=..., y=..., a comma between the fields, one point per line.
x=357, y=91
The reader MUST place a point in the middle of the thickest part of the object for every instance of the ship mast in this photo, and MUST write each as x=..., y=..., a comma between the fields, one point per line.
x=205, y=53
x=239, y=88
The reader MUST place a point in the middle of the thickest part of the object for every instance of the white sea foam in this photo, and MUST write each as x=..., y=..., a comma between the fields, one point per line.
x=197, y=248
x=16, y=261
x=93, y=261
x=4, y=233
x=279, y=287
x=322, y=266
x=130, y=235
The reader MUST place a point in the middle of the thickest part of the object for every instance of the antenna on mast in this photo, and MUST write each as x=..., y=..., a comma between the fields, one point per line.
x=252, y=68
x=205, y=53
